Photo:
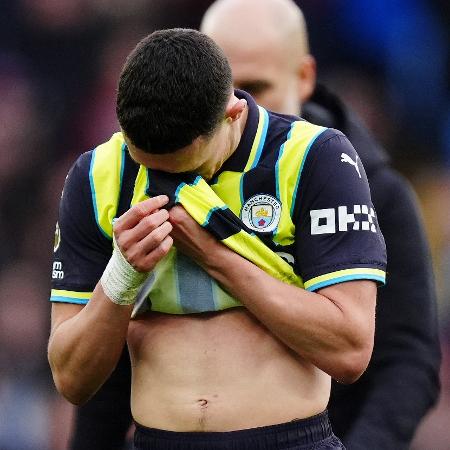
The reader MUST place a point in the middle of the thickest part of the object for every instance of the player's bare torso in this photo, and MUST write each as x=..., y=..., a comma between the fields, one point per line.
x=218, y=372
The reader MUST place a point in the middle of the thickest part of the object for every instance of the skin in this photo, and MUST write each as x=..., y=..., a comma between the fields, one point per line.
x=86, y=342
x=269, y=362
x=270, y=62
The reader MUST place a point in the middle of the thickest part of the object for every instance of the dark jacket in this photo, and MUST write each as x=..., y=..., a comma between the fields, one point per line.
x=383, y=408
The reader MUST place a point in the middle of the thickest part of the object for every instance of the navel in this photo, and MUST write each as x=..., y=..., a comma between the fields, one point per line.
x=202, y=402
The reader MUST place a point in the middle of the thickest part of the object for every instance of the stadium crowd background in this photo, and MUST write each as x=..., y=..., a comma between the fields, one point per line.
x=59, y=63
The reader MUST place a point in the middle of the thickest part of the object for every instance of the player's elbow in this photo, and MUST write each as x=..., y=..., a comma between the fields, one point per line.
x=348, y=374
x=67, y=383
x=356, y=350
x=352, y=365
x=70, y=389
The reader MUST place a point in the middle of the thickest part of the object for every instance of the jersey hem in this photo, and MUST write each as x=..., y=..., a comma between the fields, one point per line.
x=342, y=276
x=63, y=296
x=76, y=301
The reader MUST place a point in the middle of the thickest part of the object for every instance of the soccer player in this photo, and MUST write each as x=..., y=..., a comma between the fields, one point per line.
x=250, y=303
x=272, y=62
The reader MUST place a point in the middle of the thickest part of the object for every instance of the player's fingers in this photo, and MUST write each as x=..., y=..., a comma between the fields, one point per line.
x=134, y=215
x=148, y=262
x=127, y=238
x=150, y=242
x=158, y=253
x=139, y=251
x=150, y=223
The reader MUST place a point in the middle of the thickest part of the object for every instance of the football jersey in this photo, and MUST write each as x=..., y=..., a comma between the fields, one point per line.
x=299, y=187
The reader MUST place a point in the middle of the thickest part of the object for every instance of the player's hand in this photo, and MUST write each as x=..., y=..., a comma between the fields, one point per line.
x=142, y=233
x=190, y=238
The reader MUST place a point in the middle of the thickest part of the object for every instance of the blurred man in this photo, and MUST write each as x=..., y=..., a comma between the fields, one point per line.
x=263, y=298
x=267, y=46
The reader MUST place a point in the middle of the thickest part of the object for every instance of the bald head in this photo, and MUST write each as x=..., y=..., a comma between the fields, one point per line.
x=267, y=45
x=253, y=21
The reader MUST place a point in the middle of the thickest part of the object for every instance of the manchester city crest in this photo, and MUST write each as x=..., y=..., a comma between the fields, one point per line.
x=261, y=212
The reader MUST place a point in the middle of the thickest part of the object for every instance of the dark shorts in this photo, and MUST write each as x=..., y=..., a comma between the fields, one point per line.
x=313, y=433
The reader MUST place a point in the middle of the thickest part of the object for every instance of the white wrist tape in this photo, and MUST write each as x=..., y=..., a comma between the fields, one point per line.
x=120, y=280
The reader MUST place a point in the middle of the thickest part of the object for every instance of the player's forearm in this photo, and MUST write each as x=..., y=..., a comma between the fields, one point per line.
x=84, y=349
x=334, y=338
x=85, y=345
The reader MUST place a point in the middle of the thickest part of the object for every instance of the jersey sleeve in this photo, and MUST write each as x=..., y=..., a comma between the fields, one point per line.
x=337, y=234
x=81, y=250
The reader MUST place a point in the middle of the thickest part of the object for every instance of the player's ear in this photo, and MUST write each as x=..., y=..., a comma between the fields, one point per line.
x=234, y=108
x=307, y=78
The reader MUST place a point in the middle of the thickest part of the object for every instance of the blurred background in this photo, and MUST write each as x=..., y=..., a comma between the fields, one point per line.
x=59, y=64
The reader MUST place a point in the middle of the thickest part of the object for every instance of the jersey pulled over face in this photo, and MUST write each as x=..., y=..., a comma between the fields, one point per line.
x=301, y=188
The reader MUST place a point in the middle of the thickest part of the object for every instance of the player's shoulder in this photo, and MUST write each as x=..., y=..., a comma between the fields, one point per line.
x=112, y=146
x=100, y=168
x=328, y=149
x=109, y=156
x=301, y=134
x=332, y=170
x=96, y=179
x=106, y=156
x=294, y=136
x=329, y=141
x=295, y=129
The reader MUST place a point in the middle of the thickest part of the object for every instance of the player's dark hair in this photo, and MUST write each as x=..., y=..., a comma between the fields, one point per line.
x=174, y=87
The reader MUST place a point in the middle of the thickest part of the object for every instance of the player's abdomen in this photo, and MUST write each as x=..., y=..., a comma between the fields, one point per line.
x=218, y=372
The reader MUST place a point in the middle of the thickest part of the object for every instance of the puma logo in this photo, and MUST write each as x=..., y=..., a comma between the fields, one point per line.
x=347, y=159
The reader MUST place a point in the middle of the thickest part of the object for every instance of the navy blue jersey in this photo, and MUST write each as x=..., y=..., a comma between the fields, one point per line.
x=301, y=188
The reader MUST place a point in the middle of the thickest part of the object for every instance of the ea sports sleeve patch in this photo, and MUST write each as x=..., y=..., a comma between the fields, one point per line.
x=338, y=238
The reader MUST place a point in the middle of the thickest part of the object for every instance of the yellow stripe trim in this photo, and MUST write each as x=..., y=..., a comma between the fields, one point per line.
x=374, y=273
x=223, y=299
x=71, y=294
x=228, y=185
x=140, y=186
x=256, y=141
x=105, y=177
x=289, y=164
x=251, y=248
x=199, y=199
x=164, y=291
x=228, y=189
